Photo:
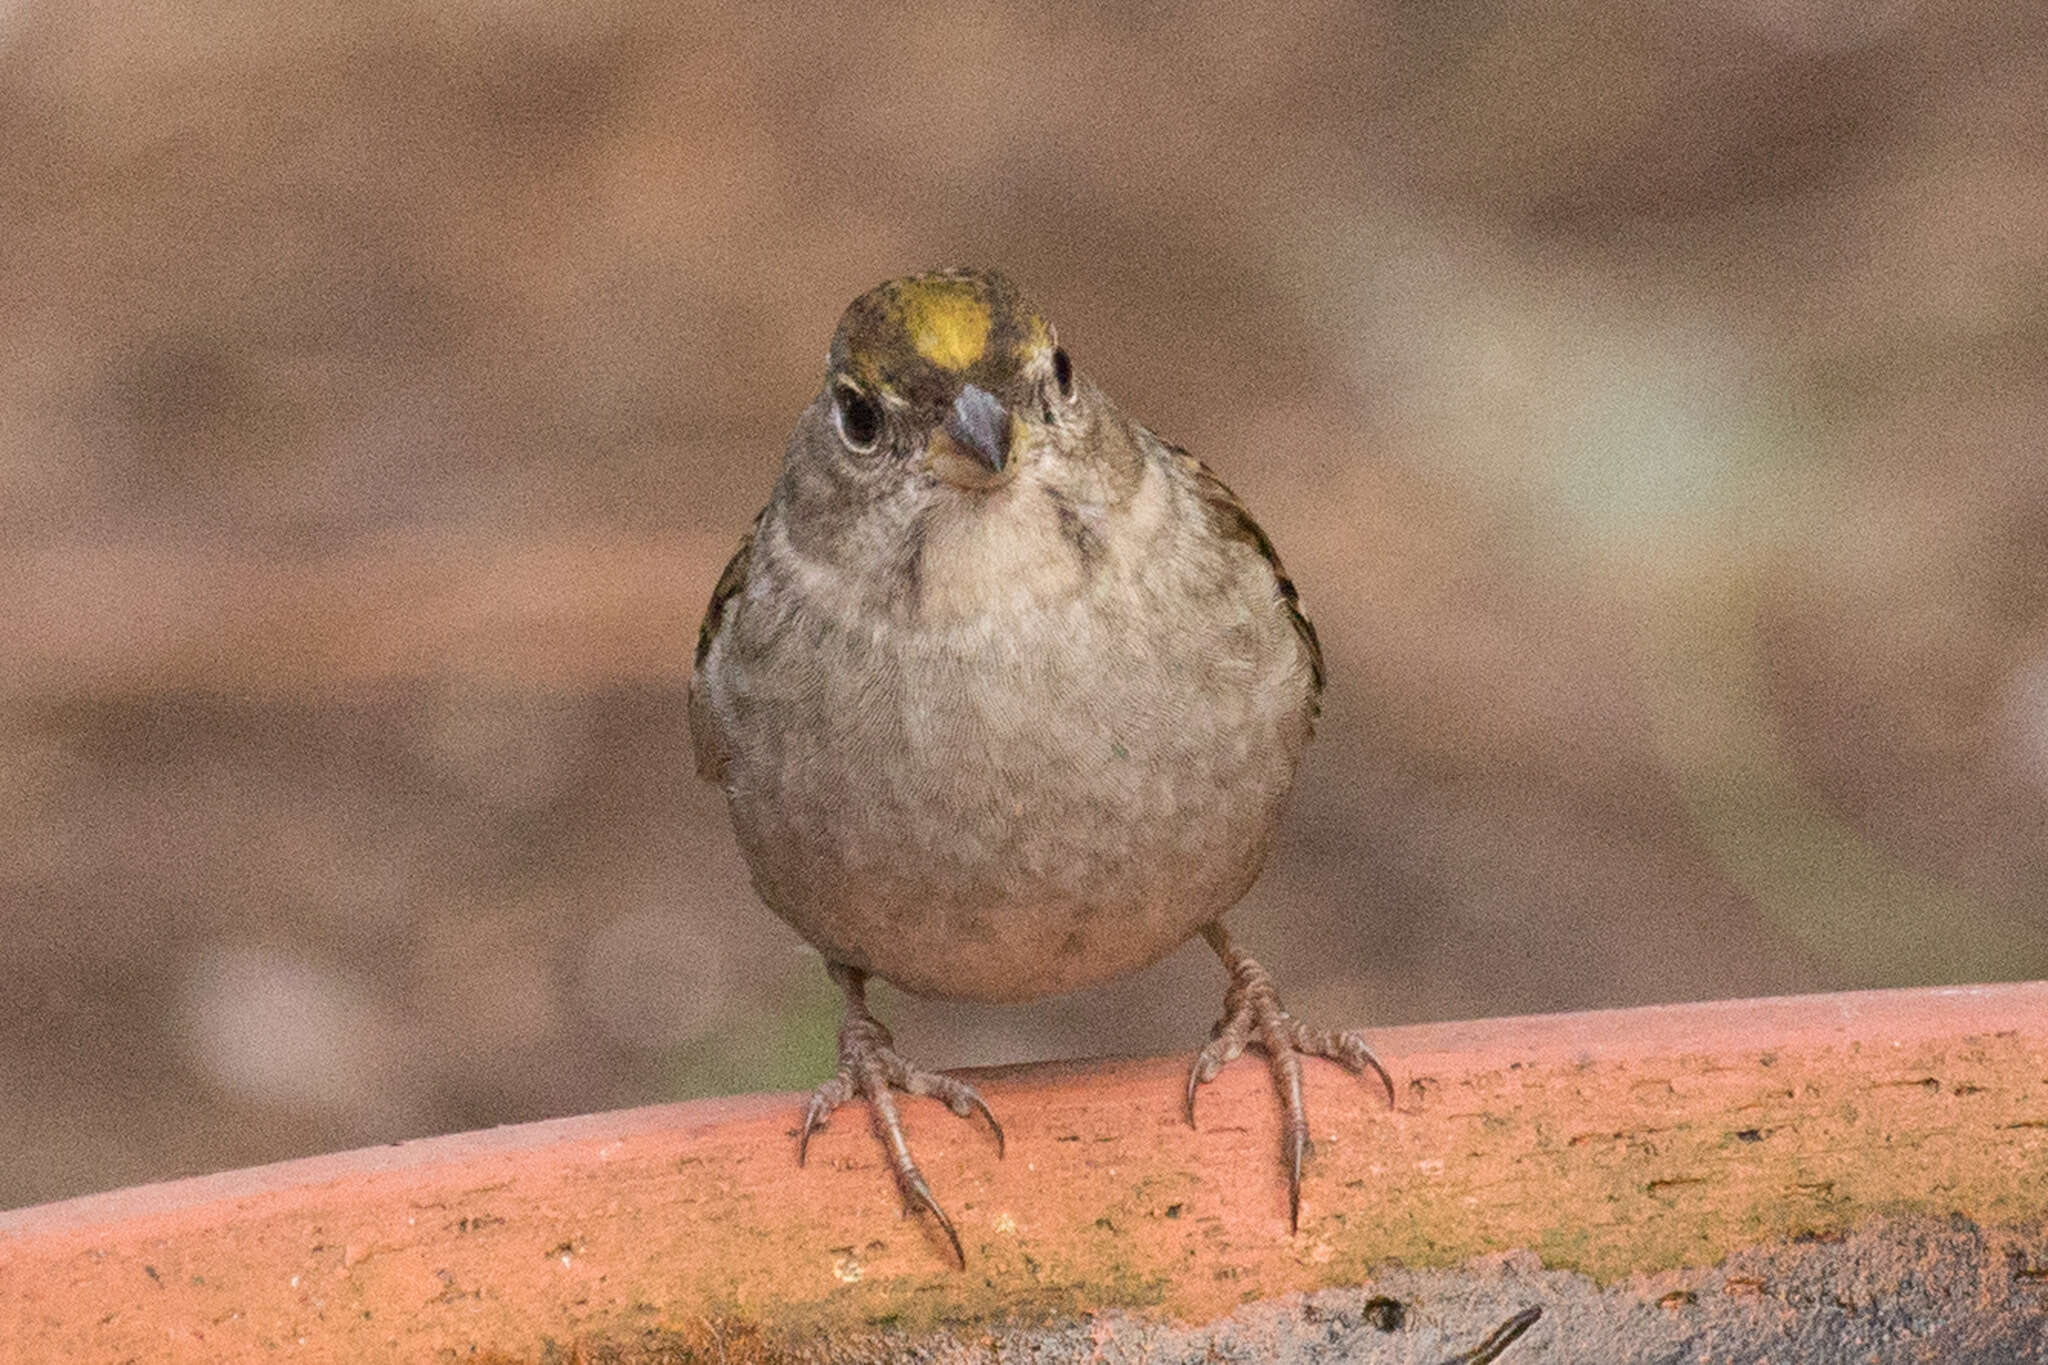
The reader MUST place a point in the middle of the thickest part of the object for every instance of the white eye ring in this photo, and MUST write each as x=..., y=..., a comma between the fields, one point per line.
x=857, y=418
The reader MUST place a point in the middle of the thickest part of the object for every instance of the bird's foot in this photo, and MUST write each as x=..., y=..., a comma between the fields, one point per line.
x=870, y=1067
x=1254, y=1017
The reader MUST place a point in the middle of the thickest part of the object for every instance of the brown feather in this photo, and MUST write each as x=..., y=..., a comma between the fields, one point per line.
x=1233, y=522
x=711, y=754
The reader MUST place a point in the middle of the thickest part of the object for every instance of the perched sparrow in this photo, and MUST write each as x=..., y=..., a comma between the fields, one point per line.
x=1005, y=694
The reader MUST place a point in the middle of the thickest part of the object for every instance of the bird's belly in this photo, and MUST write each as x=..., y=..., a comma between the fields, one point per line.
x=1005, y=820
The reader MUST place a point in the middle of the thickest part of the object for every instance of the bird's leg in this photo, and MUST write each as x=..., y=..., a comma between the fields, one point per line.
x=870, y=1067
x=1253, y=1016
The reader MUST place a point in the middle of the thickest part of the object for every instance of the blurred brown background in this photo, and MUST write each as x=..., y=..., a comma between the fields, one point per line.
x=1650, y=400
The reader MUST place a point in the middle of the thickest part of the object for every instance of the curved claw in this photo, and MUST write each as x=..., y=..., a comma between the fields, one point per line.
x=871, y=1069
x=814, y=1119
x=920, y=1194
x=1296, y=1153
x=989, y=1114
x=1350, y=1052
x=1381, y=1071
x=958, y=1096
x=1253, y=1016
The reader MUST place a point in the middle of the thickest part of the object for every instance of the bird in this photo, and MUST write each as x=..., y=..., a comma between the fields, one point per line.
x=1005, y=694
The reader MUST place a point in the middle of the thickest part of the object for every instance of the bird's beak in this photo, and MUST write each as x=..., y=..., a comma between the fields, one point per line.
x=971, y=448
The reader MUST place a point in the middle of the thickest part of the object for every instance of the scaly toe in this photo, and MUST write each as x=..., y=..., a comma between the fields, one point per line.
x=1226, y=1044
x=869, y=1067
x=1254, y=1017
x=1346, y=1047
x=823, y=1101
x=957, y=1095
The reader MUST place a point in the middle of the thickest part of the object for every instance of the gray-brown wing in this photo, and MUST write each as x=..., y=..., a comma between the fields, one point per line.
x=1230, y=519
x=711, y=754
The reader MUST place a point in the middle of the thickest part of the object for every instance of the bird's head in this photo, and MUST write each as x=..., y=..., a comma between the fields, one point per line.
x=951, y=375
x=953, y=454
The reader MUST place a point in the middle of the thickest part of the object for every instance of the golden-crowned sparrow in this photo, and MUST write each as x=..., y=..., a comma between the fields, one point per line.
x=1005, y=694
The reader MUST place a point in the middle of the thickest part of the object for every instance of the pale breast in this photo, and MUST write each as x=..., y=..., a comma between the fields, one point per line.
x=1002, y=804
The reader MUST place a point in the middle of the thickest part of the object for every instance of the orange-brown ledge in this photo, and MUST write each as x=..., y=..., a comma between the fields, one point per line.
x=1639, y=1148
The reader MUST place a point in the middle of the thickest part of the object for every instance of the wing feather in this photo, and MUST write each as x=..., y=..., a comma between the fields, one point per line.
x=1230, y=519
x=704, y=738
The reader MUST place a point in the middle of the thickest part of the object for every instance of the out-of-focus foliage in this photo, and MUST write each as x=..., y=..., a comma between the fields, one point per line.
x=1650, y=399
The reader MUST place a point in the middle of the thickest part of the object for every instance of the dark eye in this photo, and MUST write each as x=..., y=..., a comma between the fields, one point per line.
x=860, y=421
x=1063, y=372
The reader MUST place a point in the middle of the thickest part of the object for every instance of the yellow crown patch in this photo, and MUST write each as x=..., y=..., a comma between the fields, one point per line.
x=947, y=320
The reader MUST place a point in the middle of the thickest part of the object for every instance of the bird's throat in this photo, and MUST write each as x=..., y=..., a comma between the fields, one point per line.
x=1001, y=553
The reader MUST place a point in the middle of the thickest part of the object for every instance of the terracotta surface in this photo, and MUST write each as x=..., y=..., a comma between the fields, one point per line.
x=1609, y=1144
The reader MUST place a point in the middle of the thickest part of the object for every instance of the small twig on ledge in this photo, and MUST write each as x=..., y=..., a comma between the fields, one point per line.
x=1499, y=1339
